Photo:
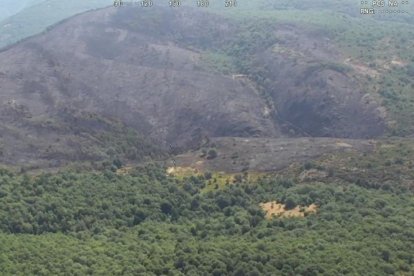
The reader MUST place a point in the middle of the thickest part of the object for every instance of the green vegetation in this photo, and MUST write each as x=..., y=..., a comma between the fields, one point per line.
x=219, y=62
x=148, y=223
x=107, y=141
x=212, y=154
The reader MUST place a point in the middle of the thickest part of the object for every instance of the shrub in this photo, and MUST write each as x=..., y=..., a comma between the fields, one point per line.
x=211, y=154
x=290, y=203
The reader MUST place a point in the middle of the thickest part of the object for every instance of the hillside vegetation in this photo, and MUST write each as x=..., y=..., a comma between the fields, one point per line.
x=344, y=213
x=148, y=223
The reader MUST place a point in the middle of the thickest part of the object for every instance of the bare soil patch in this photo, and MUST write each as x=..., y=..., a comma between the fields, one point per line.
x=275, y=209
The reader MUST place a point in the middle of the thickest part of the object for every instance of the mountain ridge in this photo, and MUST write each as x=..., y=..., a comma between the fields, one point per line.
x=110, y=65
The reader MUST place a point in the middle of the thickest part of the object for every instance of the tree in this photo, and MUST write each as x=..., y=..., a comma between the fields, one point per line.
x=208, y=175
x=290, y=203
x=117, y=163
x=166, y=208
x=238, y=178
x=139, y=217
x=195, y=203
x=211, y=154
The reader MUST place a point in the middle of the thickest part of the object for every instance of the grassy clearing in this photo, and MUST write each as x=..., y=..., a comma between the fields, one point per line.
x=274, y=209
x=214, y=180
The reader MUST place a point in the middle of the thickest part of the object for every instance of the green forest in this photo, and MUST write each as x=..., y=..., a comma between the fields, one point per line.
x=148, y=223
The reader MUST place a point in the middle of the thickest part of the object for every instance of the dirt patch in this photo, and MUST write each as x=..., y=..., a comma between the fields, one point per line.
x=312, y=175
x=274, y=209
x=362, y=68
x=398, y=62
x=343, y=145
x=124, y=170
x=182, y=171
x=389, y=65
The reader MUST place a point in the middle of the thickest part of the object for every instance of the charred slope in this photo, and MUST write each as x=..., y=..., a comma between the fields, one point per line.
x=112, y=82
x=98, y=67
x=315, y=91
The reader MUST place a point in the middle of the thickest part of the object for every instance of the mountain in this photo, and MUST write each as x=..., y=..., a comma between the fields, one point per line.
x=274, y=138
x=150, y=73
x=78, y=78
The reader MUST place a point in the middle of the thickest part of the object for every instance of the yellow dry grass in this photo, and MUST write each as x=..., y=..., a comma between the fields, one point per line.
x=274, y=209
x=182, y=171
x=124, y=170
x=343, y=145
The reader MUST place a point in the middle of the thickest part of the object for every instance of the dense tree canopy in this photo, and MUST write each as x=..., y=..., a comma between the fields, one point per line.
x=147, y=223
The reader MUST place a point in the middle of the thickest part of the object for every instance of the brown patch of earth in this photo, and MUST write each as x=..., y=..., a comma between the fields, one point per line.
x=362, y=68
x=124, y=170
x=181, y=171
x=275, y=209
x=398, y=62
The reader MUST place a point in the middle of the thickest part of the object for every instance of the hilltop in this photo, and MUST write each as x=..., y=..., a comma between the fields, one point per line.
x=108, y=83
